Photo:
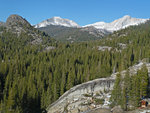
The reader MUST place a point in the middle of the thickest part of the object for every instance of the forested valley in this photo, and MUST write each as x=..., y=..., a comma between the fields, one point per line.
x=31, y=78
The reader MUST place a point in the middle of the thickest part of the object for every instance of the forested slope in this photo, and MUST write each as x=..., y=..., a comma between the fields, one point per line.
x=32, y=78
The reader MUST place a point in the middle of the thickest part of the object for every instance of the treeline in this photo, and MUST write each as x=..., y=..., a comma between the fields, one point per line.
x=32, y=78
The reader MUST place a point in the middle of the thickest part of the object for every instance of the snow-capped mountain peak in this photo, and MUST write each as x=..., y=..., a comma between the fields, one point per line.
x=57, y=21
x=127, y=16
x=121, y=23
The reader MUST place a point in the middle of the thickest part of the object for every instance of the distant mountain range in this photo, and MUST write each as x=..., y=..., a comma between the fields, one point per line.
x=118, y=24
x=68, y=30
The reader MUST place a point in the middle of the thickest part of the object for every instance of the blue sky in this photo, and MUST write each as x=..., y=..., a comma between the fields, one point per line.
x=81, y=11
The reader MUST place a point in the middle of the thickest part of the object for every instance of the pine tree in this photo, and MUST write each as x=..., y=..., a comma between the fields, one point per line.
x=126, y=89
x=143, y=75
x=124, y=99
x=10, y=102
x=116, y=93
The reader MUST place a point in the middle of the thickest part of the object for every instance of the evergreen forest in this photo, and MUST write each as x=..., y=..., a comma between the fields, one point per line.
x=31, y=78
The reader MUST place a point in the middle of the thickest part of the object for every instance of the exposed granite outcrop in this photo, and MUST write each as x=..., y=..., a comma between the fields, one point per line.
x=76, y=101
x=19, y=25
x=17, y=20
x=77, y=93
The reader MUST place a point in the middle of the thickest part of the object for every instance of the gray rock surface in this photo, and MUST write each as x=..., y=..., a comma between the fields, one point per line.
x=117, y=109
x=18, y=25
x=81, y=98
x=100, y=111
x=77, y=93
x=16, y=20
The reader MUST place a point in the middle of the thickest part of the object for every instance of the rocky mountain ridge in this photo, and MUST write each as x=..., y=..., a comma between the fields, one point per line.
x=16, y=20
x=19, y=25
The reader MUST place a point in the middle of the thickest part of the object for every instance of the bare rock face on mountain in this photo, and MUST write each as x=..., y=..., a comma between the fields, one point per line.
x=18, y=25
x=17, y=20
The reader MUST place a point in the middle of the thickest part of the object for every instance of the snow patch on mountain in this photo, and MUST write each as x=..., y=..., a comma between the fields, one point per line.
x=121, y=23
x=57, y=21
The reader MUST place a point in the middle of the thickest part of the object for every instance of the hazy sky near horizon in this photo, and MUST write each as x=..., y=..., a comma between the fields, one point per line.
x=81, y=11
